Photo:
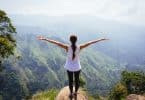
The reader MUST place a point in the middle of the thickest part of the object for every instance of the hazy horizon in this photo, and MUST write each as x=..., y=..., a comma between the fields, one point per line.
x=127, y=12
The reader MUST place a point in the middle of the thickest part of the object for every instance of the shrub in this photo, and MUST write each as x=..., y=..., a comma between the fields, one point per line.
x=118, y=92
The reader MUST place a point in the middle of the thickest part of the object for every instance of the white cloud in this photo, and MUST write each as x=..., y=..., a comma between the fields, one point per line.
x=126, y=11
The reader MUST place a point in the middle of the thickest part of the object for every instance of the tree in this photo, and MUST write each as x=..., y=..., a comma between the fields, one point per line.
x=118, y=92
x=130, y=83
x=134, y=81
x=7, y=41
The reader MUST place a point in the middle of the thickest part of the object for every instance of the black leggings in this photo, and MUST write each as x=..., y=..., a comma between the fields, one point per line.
x=72, y=75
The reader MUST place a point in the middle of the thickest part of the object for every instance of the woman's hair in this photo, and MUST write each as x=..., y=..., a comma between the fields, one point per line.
x=73, y=39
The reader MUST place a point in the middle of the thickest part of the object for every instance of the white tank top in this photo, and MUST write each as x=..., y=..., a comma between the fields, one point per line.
x=73, y=64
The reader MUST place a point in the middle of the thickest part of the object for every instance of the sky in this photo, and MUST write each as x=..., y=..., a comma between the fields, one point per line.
x=124, y=11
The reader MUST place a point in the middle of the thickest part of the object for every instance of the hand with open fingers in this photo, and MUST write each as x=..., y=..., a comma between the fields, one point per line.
x=40, y=37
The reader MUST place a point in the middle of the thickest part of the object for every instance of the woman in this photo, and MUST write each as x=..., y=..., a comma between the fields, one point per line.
x=72, y=64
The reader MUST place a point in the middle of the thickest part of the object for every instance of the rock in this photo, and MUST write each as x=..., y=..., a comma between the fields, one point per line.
x=135, y=97
x=64, y=94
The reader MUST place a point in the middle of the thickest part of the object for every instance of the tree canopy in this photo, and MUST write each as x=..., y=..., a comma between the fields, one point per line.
x=7, y=40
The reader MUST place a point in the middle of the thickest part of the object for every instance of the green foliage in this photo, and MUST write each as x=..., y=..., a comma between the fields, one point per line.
x=134, y=81
x=130, y=83
x=12, y=87
x=118, y=92
x=46, y=95
x=7, y=48
x=7, y=41
x=82, y=82
x=6, y=25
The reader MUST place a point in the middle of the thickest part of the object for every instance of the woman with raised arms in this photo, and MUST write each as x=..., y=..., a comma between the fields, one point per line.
x=72, y=65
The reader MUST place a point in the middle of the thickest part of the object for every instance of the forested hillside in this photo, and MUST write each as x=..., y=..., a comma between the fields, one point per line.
x=39, y=66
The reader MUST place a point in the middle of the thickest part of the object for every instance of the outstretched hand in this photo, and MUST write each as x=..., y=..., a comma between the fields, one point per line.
x=104, y=39
x=40, y=38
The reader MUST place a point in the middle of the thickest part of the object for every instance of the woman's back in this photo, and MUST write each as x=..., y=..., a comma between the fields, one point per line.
x=73, y=64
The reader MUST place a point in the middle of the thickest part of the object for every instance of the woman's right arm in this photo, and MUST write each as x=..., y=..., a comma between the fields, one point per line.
x=62, y=45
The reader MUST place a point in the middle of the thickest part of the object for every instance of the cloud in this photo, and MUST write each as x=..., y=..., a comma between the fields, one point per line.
x=125, y=11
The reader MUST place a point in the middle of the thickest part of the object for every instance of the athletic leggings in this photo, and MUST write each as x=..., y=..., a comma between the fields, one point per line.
x=71, y=76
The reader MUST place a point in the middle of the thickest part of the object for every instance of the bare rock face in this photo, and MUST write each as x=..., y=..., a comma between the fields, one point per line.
x=64, y=95
x=135, y=97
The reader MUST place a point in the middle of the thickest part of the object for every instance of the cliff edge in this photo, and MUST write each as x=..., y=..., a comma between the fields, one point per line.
x=64, y=94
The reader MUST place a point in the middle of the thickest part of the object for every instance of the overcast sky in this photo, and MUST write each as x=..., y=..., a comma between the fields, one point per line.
x=125, y=11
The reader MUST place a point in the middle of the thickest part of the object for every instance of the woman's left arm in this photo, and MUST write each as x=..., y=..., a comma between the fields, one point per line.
x=91, y=42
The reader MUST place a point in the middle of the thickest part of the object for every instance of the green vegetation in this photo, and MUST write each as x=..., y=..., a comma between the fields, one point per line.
x=82, y=82
x=134, y=81
x=130, y=83
x=12, y=86
x=7, y=41
x=119, y=92
x=46, y=95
